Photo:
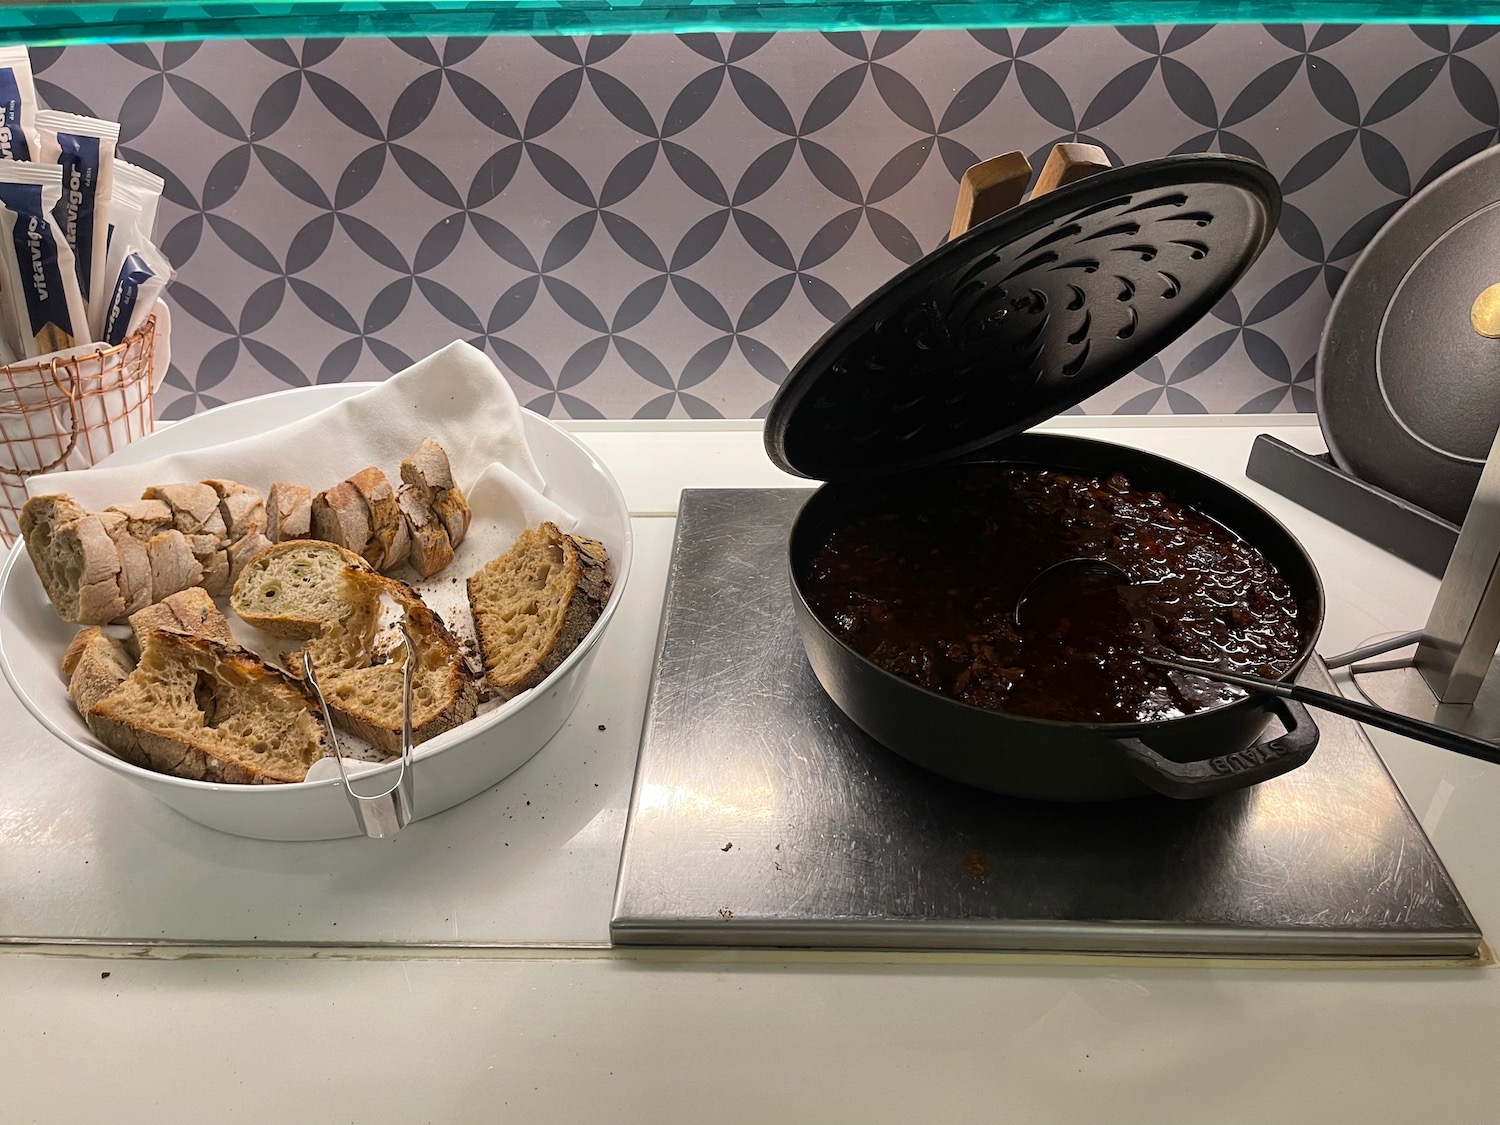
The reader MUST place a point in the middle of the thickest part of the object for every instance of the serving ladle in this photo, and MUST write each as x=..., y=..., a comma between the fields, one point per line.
x=1099, y=573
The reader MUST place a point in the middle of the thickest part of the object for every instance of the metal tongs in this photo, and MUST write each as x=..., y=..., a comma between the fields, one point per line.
x=387, y=812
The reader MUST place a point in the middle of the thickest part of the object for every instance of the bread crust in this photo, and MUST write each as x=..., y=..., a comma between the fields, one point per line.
x=288, y=512
x=173, y=566
x=195, y=506
x=459, y=689
x=340, y=517
x=385, y=517
x=241, y=507
x=171, y=752
x=586, y=566
x=430, y=549
x=189, y=611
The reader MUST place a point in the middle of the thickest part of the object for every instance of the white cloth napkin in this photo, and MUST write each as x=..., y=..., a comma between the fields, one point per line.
x=455, y=396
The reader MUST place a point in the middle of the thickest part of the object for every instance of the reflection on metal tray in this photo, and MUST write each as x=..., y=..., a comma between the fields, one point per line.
x=761, y=816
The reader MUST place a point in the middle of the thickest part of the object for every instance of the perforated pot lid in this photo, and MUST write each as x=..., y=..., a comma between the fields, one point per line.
x=1022, y=317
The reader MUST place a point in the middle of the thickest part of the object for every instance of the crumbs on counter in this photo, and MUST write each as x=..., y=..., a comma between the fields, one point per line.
x=725, y=915
x=727, y=846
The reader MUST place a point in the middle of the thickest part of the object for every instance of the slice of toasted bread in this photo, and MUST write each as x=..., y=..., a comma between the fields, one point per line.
x=332, y=599
x=195, y=707
x=290, y=590
x=535, y=603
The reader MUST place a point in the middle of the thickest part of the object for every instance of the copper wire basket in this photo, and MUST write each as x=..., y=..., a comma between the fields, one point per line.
x=71, y=413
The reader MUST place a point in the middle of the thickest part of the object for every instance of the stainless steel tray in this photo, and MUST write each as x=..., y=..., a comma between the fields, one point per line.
x=761, y=816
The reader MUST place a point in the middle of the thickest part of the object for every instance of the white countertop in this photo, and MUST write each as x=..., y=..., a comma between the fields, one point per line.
x=472, y=950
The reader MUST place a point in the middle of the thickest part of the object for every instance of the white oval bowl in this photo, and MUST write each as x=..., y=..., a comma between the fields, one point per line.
x=452, y=768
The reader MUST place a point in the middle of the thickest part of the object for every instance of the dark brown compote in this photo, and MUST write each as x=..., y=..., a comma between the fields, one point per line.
x=926, y=589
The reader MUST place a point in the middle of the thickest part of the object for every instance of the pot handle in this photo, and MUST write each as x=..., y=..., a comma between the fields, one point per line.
x=1212, y=776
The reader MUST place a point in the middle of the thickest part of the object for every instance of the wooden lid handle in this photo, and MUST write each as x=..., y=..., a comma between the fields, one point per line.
x=988, y=188
x=1068, y=163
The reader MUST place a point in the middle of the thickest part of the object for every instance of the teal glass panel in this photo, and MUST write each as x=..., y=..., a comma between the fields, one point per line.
x=43, y=24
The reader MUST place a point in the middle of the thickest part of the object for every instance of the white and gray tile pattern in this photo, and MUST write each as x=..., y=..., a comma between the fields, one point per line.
x=657, y=226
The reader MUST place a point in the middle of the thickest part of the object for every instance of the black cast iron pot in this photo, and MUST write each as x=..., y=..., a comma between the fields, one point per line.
x=1198, y=755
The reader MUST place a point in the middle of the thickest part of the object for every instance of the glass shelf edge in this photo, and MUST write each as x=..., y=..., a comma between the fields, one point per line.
x=42, y=25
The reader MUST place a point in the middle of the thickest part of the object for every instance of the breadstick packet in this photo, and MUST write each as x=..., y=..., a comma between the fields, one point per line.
x=18, y=106
x=143, y=187
x=40, y=284
x=143, y=274
x=84, y=148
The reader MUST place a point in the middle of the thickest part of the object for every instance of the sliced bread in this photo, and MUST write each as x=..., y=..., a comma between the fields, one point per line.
x=387, y=527
x=96, y=664
x=195, y=507
x=292, y=589
x=332, y=599
x=361, y=675
x=340, y=517
x=173, y=566
x=189, y=611
x=79, y=567
x=429, y=549
x=241, y=507
x=288, y=512
x=198, y=708
x=144, y=518
x=535, y=603
x=428, y=472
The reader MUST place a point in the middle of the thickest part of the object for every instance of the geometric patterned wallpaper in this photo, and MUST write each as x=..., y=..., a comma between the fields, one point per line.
x=658, y=226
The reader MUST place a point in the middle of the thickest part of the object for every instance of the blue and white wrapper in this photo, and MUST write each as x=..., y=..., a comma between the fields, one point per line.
x=18, y=106
x=84, y=148
x=143, y=274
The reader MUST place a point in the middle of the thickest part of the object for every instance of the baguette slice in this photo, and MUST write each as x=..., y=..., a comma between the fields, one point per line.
x=173, y=566
x=340, y=517
x=135, y=573
x=332, y=599
x=291, y=589
x=427, y=470
x=535, y=603
x=429, y=549
x=198, y=708
x=288, y=512
x=96, y=665
x=189, y=611
x=144, y=518
x=241, y=507
x=195, y=507
x=79, y=567
x=385, y=518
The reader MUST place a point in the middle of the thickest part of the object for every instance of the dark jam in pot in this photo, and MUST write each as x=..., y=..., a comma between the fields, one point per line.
x=926, y=589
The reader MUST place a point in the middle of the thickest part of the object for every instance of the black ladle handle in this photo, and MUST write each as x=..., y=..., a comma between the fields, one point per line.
x=1430, y=733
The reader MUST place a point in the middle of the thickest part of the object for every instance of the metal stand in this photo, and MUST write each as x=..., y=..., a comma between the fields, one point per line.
x=1448, y=679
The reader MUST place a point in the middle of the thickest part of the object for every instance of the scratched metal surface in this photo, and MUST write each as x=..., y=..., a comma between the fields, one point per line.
x=760, y=816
